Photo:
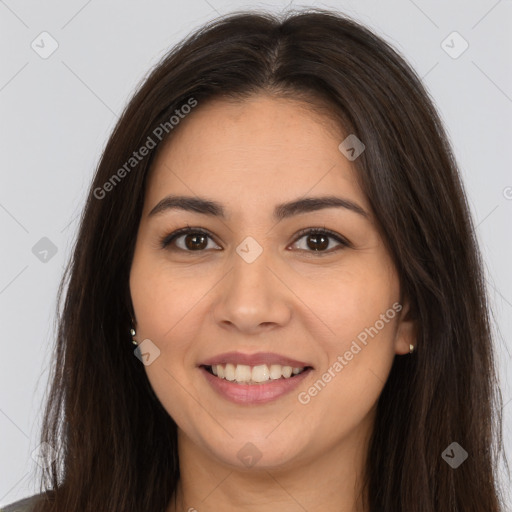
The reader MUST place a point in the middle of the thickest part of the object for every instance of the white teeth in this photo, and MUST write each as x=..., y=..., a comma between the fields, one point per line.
x=242, y=373
x=229, y=372
x=275, y=371
x=260, y=373
x=287, y=372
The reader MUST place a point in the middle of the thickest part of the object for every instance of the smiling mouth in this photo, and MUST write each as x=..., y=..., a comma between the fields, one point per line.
x=259, y=374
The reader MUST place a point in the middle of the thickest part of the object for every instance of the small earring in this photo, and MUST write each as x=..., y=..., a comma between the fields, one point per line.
x=411, y=348
x=132, y=332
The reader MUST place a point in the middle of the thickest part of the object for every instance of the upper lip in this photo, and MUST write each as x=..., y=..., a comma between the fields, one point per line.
x=256, y=359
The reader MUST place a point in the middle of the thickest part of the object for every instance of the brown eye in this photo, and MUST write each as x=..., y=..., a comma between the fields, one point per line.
x=317, y=241
x=188, y=240
x=195, y=241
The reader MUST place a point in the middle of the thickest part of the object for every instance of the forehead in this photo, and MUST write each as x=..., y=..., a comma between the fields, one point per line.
x=251, y=152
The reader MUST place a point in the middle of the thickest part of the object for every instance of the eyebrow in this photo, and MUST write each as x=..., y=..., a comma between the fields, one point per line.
x=281, y=211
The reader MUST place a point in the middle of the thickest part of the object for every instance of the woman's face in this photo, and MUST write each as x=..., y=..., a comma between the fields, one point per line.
x=251, y=284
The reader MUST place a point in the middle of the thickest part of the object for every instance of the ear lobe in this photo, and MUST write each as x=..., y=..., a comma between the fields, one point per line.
x=406, y=333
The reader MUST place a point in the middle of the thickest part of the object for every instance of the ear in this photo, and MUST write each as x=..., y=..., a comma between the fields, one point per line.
x=406, y=333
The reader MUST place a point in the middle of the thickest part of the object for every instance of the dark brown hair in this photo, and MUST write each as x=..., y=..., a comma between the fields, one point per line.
x=116, y=444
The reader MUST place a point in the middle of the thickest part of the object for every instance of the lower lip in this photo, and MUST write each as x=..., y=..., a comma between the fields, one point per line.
x=254, y=393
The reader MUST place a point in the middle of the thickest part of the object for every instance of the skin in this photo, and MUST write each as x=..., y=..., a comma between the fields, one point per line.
x=291, y=300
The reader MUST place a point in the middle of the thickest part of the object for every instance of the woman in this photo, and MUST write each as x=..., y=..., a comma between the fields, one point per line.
x=276, y=297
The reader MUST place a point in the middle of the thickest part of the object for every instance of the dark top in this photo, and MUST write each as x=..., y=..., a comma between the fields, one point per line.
x=24, y=505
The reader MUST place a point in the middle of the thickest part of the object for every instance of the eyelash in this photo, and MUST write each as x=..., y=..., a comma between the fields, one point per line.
x=344, y=243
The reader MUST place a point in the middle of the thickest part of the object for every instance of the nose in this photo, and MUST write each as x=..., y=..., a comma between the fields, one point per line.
x=253, y=298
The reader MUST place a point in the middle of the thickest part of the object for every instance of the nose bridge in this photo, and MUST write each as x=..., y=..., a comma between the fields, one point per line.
x=252, y=295
x=251, y=263
x=250, y=275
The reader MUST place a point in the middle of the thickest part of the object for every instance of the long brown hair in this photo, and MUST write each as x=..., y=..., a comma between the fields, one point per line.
x=116, y=444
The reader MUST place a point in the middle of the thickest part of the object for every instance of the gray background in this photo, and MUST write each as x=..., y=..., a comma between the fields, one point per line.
x=57, y=113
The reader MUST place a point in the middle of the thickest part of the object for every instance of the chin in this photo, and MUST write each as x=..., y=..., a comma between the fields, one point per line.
x=257, y=452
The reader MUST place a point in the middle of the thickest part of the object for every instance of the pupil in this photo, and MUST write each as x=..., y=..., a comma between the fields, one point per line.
x=194, y=245
x=315, y=238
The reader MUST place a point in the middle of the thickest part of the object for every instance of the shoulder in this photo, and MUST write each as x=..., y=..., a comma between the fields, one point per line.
x=24, y=505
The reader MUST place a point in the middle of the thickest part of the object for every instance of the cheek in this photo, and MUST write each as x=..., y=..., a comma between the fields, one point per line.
x=359, y=359
x=367, y=314
x=346, y=302
x=161, y=299
x=163, y=305
x=356, y=314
